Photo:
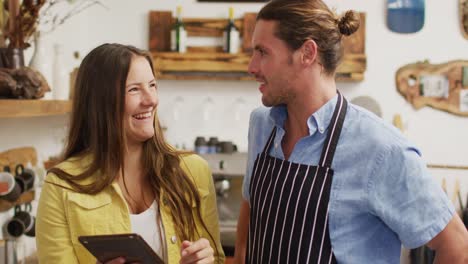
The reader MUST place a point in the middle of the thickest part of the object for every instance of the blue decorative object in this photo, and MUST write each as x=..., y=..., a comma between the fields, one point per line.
x=405, y=16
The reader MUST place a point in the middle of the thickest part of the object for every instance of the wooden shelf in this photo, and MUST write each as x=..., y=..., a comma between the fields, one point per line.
x=201, y=61
x=222, y=66
x=33, y=108
x=12, y=158
x=209, y=63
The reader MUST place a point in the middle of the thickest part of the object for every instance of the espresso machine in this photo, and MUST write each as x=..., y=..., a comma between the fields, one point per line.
x=228, y=173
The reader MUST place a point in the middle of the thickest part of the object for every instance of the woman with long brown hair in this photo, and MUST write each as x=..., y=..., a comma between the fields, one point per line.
x=119, y=175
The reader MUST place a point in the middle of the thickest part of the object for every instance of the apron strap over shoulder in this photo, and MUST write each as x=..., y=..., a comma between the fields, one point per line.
x=334, y=131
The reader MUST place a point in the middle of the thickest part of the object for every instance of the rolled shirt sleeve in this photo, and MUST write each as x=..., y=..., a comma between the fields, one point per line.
x=405, y=196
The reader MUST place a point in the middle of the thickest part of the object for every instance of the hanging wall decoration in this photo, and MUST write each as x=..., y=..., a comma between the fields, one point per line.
x=405, y=16
x=463, y=10
x=441, y=86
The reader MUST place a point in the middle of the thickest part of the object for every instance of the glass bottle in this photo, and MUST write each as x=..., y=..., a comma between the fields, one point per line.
x=178, y=33
x=41, y=61
x=61, y=76
x=231, y=35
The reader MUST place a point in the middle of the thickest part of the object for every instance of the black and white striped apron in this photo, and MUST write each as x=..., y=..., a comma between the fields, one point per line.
x=289, y=204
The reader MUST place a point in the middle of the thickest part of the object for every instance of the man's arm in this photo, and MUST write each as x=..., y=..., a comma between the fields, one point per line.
x=242, y=232
x=451, y=245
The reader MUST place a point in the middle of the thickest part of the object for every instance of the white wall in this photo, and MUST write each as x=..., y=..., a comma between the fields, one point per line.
x=442, y=137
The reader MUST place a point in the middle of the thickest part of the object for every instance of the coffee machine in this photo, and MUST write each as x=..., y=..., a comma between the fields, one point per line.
x=228, y=173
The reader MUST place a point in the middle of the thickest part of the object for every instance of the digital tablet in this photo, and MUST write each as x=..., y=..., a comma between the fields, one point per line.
x=130, y=246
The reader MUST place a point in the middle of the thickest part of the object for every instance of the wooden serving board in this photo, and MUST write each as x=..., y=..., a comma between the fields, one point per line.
x=463, y=9
x=413, y=79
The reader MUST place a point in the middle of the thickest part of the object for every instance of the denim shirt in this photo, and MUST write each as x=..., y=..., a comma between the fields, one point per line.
x=382, y=195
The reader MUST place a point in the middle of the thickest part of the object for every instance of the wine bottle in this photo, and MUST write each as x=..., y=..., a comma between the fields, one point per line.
x=178, y=33
x=231, y=35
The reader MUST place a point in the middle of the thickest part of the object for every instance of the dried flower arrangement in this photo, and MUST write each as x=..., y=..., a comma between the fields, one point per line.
x=20, y=21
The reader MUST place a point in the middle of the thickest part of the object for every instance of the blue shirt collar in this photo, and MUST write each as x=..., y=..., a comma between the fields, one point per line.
x=318, y=121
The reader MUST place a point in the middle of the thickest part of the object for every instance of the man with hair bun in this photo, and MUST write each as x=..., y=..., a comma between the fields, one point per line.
x=328, y=181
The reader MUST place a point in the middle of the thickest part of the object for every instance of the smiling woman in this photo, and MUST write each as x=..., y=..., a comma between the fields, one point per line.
x=118, y=174
x=140, y=101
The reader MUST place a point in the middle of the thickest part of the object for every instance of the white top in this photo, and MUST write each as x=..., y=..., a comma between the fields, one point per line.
x=148, y=225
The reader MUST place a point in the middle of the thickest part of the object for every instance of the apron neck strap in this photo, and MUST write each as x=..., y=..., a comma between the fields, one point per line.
x=334, y=131
x=270, y=140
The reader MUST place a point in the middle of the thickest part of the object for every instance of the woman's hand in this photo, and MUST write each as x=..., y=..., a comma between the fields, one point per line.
x=198, y=252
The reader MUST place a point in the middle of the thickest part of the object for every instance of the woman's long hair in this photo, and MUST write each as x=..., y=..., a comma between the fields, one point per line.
x=97, y=130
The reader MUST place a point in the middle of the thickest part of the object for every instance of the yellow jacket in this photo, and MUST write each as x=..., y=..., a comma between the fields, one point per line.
x=63, y=215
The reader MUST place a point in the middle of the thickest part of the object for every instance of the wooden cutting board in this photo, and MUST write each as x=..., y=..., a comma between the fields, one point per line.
x=441, y=86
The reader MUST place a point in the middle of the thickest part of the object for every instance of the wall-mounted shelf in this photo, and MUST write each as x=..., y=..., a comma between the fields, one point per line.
x=12, y=158
x=32, y=108
x=209, y=63
x=223, y=66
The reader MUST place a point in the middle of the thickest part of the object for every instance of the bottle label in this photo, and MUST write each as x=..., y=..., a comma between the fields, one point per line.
x=225, y=42
x=173, y=40
x=234, y=41
x=182, y=40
